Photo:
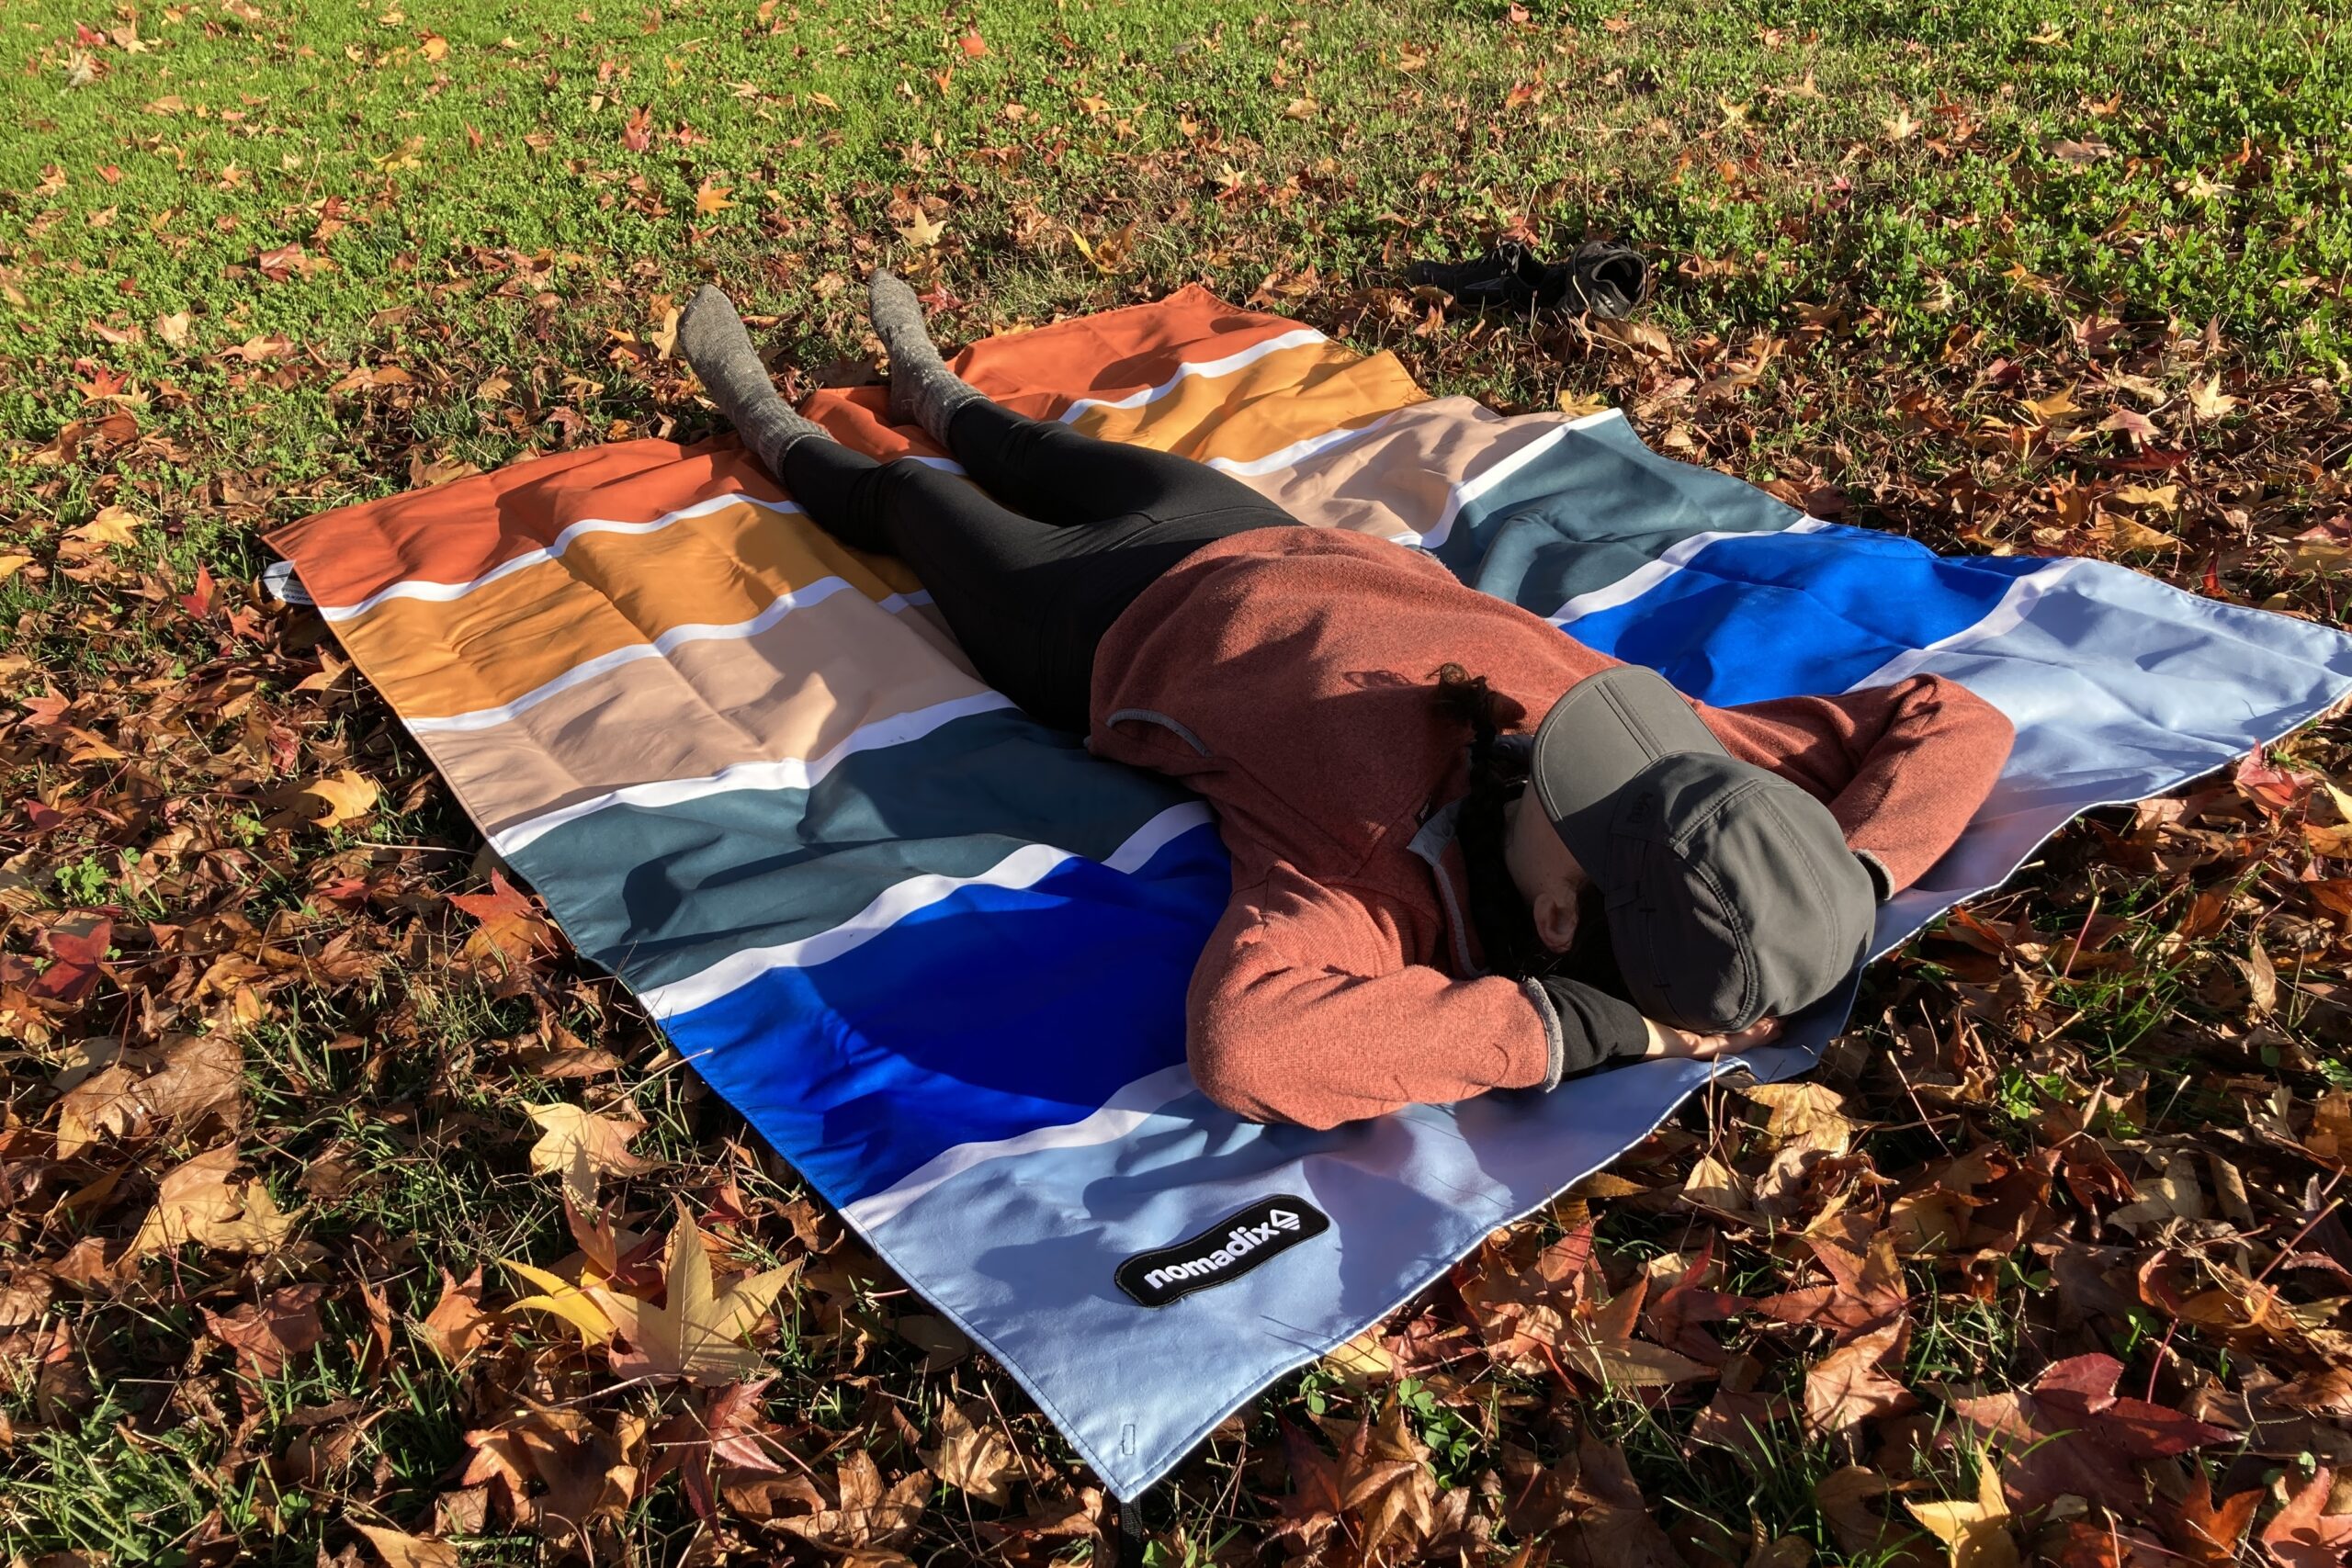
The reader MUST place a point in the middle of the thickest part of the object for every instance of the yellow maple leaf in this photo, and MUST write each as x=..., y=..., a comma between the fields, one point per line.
x=922, y=230
x=114, y=525
x=11, y=565
x=1977, y=1532
x=566, y=1301
x=341, y=797
x=698, y=1335
x=1581, y=405
x=711, y=199
x=580, y=1146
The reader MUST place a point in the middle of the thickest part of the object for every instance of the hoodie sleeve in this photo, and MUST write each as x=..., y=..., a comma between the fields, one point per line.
x=1304, y=1009
x=1903, y=768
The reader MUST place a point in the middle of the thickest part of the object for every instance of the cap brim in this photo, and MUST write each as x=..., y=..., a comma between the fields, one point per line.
x=1597, y=739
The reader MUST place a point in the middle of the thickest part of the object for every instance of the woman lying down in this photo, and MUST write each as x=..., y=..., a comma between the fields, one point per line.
x=1468, y=852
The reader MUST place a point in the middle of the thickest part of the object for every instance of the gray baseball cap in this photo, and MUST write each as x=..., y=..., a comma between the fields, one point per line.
x=1732, y=895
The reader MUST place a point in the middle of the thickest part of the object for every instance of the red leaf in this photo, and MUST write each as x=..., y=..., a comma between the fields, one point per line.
x=79, y=962
x=2269, y=786
x=638, y=134
x=2207, y=1536
x=972, y=42
x=199, y=602
x=2070, y=1434
x=2302, y=1537
x=503, y=901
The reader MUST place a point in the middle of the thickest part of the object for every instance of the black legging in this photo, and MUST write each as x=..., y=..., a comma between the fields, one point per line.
x=1030, y=575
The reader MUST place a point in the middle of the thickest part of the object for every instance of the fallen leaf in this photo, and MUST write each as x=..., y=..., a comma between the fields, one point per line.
x=2301, y=1536
x=711, y=199
x=698, y=1335
x=569, y=1302
x=198, y=1202
x=113, y=527
x=864, y=1515
x=973, y=1455
x=1850, y=1385
x=580, y=1146
x=457, y=1326
x=402, y=1551
x=922, y=230
x=1977, y=1532
x=268, y=1333
x=345, y=796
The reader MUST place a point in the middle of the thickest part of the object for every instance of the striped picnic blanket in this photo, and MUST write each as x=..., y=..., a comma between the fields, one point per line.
x=937, y=953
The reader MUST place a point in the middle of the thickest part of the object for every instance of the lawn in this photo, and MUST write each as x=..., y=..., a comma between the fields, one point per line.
x=2006, y=276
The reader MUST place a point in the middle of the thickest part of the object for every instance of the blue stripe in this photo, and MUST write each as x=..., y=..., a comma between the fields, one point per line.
x=1593, y=507
x=1787, y=615
x=991, y=1013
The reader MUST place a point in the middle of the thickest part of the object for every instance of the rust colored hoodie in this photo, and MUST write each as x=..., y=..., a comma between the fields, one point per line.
x=1288, y=676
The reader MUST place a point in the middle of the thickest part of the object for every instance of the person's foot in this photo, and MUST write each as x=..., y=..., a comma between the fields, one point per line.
x=921, y=386
x=712, y=339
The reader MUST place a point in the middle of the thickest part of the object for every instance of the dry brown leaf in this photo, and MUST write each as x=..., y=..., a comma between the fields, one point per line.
x=974, y=1455
x=457, y=1326
x=866, y=1516
x=113, y=527
x=581, y=1145
x=198, y=1202
x=1849, y=1385
x=402, y=1551
x=1806, y=1114
x=266, y=1334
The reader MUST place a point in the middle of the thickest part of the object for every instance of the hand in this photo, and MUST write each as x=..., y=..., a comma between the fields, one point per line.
x=1667, y=1041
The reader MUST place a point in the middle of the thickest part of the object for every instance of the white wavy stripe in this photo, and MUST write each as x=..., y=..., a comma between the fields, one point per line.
x=1460, y=495
x=1298, y=451
x=2007, y=613
x=1024, y=867
x=662, y=647
x=428, y=589
x=1126, y=1110
x=781, y=773
x=1649, y=574
x=1298, y=338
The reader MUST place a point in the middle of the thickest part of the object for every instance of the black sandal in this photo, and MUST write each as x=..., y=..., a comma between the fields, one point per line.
x=1600, y=278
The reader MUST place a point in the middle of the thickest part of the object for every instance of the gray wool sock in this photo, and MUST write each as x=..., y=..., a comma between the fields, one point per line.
x=921, y=386
x=711, y=336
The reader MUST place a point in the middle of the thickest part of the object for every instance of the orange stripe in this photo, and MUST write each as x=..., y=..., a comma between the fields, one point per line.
x=1258, y=410
x=608, y=591
x=456, y=532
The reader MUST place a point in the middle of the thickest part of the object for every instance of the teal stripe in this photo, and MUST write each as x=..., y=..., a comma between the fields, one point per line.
x=659, y=894
x=1594, y=507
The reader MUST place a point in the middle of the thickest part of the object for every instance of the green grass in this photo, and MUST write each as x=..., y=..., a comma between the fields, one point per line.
x=1865, y=200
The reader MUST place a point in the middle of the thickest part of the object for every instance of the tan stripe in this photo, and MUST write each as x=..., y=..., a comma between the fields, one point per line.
x=608, y=591
x=1264, y=406
x=793, y=691
x=1397, y=478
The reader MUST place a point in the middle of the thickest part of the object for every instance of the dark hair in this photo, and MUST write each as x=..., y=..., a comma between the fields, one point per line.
x=1498, y=776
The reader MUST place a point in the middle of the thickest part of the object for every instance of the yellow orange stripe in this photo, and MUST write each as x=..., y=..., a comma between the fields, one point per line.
x=1269, y=404
x=606, y=594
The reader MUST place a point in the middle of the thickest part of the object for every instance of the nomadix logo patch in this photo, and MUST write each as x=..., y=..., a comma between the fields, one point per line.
x=1226, y=1250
